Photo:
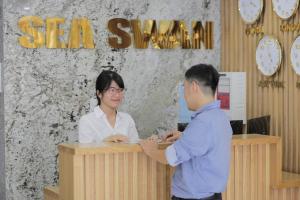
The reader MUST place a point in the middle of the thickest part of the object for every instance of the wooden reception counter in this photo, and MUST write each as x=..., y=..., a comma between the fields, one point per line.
x=123, y=172
x=110, y=172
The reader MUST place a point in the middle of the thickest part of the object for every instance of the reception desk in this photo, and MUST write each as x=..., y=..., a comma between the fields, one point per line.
x=110, y=172
x=123, y=172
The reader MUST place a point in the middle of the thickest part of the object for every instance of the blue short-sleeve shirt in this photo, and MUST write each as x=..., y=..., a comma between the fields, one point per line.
x=202, y=154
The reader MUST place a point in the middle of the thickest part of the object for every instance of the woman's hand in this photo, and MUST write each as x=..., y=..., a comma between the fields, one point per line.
x=172, y=136
x=116, y=138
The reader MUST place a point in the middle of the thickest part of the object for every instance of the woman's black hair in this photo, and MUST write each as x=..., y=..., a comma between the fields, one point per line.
x=104, y=81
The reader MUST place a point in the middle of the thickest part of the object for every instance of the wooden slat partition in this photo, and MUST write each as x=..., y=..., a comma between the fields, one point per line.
x=251, y=174
x=111, y=173
x=124, y=172
x=238, y=54
x=255, y=172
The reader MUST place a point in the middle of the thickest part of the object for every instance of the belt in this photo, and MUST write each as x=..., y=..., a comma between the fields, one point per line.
x=216, y=196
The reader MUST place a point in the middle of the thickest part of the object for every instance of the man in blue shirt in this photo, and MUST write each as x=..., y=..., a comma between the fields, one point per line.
x=201, y=153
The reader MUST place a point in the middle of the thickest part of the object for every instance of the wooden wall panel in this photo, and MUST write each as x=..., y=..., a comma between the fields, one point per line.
x=238, y=54
x=249, y=175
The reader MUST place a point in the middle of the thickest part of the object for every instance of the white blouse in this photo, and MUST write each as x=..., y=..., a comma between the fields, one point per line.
x=94, y=127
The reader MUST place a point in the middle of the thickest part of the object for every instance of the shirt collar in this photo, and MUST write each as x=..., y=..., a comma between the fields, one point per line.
x=99, y=113
x=206, y=107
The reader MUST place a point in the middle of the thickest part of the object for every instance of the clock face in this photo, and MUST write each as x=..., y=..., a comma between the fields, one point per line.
x=250, y=10
x=285, y=8
x=295, y=55
x=268, y=55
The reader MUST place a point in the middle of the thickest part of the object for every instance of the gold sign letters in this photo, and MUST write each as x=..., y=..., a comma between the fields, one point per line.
x=53, y=32
x=81, y=26
x=290, y=27
x=258, y=30
x=35, y=38
x=270, y=83
x=125, y=37
x=166, y=34
x=30, y=25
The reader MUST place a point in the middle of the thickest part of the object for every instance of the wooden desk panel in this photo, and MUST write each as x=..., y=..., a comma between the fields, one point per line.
x=124, y=172
x=249, y=173
x=112, y=176
x=256, y=170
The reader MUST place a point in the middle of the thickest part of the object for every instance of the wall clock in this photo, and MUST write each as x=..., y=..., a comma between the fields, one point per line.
x=250, y=10
x=295, y=55
x=268, y=55
x=285, y=8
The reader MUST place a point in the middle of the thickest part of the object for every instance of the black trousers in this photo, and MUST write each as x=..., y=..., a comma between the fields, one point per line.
x=216, y=196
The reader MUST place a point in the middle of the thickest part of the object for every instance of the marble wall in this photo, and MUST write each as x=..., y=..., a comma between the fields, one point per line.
x=47, y=90
x=2, y=138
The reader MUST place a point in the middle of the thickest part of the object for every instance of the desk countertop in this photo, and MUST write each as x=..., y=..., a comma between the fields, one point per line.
x=77, y=148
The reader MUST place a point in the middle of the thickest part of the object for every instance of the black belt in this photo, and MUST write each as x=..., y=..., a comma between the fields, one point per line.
x=216, y=196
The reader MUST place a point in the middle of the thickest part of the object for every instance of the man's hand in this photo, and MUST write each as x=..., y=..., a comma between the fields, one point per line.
x=172, y=136
x=116, y=138
x=149, y=146
x=150, y=149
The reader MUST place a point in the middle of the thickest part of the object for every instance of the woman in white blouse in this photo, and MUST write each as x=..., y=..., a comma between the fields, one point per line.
x=106, y=123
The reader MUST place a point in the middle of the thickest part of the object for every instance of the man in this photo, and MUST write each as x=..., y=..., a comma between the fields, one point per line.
x=201, y=153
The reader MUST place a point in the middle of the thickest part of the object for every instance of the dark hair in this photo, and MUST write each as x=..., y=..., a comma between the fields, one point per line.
x=104, y=81
x=205, y=75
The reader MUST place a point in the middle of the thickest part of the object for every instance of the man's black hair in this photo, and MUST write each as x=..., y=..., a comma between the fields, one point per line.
x=104, y=80
x=205, y=75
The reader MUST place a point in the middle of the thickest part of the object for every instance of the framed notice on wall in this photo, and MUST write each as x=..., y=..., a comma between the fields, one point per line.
x=232, y=94
x=223, y=93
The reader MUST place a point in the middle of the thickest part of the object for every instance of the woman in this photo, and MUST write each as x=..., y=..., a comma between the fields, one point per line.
x=106, y=123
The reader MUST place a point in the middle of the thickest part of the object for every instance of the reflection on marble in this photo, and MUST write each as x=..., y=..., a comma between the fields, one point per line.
x=47, y=90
